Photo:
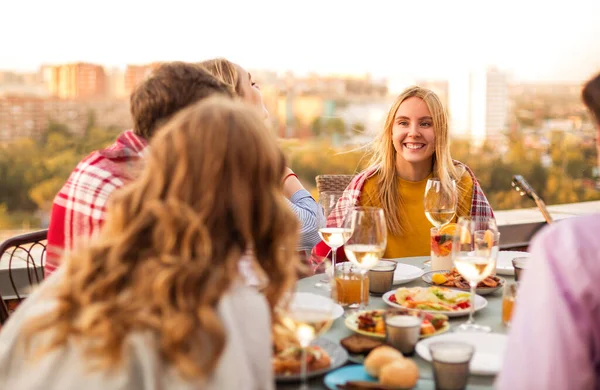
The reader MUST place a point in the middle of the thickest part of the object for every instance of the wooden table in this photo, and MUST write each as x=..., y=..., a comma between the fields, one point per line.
x=490, y=315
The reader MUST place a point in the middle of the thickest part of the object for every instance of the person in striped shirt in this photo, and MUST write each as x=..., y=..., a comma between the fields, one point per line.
x=309, y=214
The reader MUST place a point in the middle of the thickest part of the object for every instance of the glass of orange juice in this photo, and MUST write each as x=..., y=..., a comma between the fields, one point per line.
x=347, y=286
x=508, y=302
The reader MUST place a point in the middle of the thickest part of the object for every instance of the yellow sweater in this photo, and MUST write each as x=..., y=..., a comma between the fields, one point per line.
x=415, y=240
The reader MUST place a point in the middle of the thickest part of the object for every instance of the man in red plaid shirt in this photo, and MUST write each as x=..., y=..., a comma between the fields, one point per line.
x=79, y=208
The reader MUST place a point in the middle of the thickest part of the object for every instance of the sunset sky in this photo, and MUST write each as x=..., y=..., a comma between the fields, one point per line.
x=533, y=40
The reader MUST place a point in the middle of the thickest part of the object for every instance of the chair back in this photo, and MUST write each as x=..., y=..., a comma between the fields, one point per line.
x=333, y=183
x=22, y=261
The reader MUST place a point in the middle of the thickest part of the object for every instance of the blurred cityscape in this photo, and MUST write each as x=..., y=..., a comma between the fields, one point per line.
x=517, y=127
x=483, y=104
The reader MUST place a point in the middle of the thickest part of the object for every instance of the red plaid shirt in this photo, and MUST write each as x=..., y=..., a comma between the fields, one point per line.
x=480, y=207
x=79, y=208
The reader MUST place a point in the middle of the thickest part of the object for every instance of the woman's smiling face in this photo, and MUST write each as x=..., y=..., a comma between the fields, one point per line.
x=413, y=134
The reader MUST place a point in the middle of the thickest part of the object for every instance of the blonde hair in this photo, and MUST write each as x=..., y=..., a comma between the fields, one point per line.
x=172, y=241
x=384, y=156
x=226, y=72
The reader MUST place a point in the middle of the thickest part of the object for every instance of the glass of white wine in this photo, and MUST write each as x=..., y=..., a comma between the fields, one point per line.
x=367, y=242
x=307, y=319
x=474, y=252
x=333, y=236
x=439, y=202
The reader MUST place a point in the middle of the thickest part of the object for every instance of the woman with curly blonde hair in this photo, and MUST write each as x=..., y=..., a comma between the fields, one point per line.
x=412, y=148
x=157, y=300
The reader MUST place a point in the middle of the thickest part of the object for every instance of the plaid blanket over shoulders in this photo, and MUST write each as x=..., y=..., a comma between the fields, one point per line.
x=480, y=207
x=79, y=208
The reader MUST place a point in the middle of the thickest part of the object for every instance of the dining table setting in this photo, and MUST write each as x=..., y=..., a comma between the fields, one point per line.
x=368, y=321
x=410, y=272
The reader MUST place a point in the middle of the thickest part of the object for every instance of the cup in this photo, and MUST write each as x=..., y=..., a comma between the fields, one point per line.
x=441, y=250
x=403, y=329
x=451, y=364
x=520, y=264
x=508, y=301
x=381, y=277
x=347, y=286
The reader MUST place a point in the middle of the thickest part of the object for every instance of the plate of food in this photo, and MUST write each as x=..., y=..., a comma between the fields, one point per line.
x=453, y=279
x=371, y=323
x=434, y=300
x=322, y=356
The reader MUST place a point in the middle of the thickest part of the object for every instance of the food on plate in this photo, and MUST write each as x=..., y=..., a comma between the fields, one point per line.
x=288, y=361
x=359, y=344
x=287, y=353
x=379, y=357
x=392, y=369
x=439, y=279
x=455, y=279
x=373, y=321
x=401, y=373
x=431, y=298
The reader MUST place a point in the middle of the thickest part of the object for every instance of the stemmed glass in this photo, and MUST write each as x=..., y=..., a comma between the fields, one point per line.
x=307, y=319
x=334, y=237
x=367, y=242
x=474, y=252
x=440, y=203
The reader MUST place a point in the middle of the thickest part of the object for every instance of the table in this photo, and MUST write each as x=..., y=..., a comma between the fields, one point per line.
x=490, y=315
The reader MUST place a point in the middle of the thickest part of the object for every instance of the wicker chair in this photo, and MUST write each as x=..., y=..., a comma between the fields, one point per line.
x=30, y=249
x=333, y=183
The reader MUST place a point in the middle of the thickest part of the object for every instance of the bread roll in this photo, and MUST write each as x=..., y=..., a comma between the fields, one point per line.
x=402, y=373
x=379, y=357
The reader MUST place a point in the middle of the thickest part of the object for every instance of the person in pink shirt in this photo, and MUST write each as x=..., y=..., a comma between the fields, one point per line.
x=554, y=341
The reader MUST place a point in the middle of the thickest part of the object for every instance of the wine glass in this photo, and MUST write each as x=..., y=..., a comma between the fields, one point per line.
x=307, y=319
x=367, y=242
x=474, y=254
x=440, y=203
x=334, y=237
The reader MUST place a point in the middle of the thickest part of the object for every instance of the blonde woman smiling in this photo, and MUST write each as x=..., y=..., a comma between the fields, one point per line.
x=412, y=148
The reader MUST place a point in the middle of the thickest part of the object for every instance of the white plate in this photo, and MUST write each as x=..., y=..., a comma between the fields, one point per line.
x=504, y=263
x=480, y=303
x=405, y=273
x=315, y=300
x=489, y=350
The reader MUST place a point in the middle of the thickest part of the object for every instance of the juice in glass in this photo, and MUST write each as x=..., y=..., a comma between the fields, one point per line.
x=347, y=283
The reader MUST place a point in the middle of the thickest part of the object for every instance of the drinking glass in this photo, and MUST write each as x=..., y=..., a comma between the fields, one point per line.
x=403, y=329
x=509, y=296
x=451, y=364
x=367, y=241
x=308, y=319
x=519, y=264
x=474, y=257
x=440, y=203
x=334, y=237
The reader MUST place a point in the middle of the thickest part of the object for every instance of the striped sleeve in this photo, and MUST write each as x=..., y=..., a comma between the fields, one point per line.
x=310, y=216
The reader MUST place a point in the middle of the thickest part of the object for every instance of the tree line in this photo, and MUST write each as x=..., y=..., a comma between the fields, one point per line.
x=561, y=170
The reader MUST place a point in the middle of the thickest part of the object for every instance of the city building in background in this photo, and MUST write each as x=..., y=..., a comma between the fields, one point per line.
x=76, y=81
x=478, y=104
